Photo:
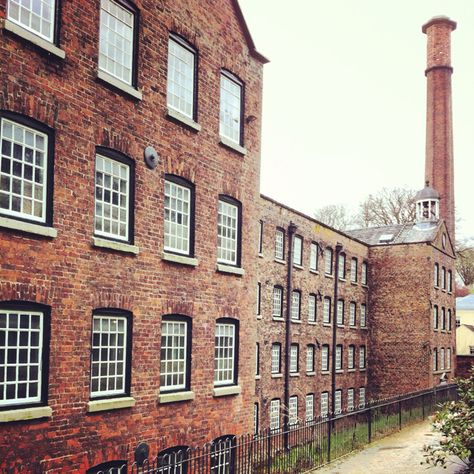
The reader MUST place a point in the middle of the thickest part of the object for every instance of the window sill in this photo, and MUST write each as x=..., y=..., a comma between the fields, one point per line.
x=175, y=397
x=327, y=325
x=112, y=245
x=342, y=279
x=312, y=323
x=277, y=319
x=183, y=119
x=281, y=262
x=118, y=84
x=225, y=391
x=329, y=275
x=341, y=326
x=232, y=145
x=364, y=327
x=364, y=285
x=28, y=227
x=354, y=283
x=110, y=404
x=181, y=259
x=259, y=317
x=313, y=271
x=277, y=376
x=229, y=269
x=260, y=254
x=352, y=326
x=258, y=377
x=351, y=370
x=32, y=38
x=362, y=370
x=25, y=414
x=294, y=374
x=299, y=267
x=310, y=374
x=339, y=371
x=325, y=372
x=296, y=321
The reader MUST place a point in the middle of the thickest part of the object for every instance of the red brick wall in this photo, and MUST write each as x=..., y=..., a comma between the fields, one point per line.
x=271, y=273
x=464, y=366
x=401, y=326
x=74, y=278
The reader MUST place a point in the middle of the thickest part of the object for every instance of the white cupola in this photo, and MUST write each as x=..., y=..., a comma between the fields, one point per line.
x=427, y=204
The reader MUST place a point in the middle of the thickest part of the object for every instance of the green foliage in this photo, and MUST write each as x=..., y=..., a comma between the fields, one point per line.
x=455, y=421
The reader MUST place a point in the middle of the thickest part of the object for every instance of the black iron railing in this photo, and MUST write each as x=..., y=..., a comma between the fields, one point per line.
x=303, y=447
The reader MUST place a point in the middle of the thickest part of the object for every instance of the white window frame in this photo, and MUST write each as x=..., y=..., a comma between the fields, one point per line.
x=109, y=175
x=328, y=260
x=28, y=327
x=351, y=357
x=181, y=79
x=310, y=358
x=280, y=244
x=353, y=270
x=450, y=281
x=340, y=312
x=324, y=404
x=259, y=299
x=296, y=305
x=230, y=115
x=46, y=15
x=352, y=313
x=341, y=267
x=312, y=308
x=277, y=307
x=298, y=250
x=178, y=206
x=276, y=358
x=294, y=358
x=338, y=402
x=228, y=233
x=309, y=407
x=436, y=275
x=448, y=358
x=442, y=359
x=435, y=317
x=362, y=400
x=338, y=357
x=225, y=367
x=174, y=340
x=255, y=418
x=362, y=357
x=117, y=328
x=327, y=310
x=27, y=179
x=325, y=358
x=293, y=410
x=313, y=256
x=363, y=276
x=350, y=399
x=117, y=13
x=363, y=315
x=275, y=414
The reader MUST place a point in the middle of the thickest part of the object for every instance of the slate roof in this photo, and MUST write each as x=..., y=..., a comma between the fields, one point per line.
x=465, y=302
x=400, y=234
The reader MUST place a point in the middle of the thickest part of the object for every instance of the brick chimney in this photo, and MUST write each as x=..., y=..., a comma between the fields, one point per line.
x=439, y=169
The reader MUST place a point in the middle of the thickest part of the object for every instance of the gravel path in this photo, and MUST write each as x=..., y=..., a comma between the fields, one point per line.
x=400, y=453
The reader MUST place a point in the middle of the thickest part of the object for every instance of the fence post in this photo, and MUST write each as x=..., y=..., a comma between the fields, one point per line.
x=369, y=420
x=269, y=452
x=329, y=423
x=399, y=414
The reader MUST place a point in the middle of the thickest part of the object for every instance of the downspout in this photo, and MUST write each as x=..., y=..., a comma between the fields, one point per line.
x=334, y=330
x=289, y=293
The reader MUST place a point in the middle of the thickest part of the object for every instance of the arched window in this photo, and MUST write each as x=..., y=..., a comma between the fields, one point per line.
x=229, y=231
x=111, y=467
x=173, y=460
x=226, y=352
x=223, y=455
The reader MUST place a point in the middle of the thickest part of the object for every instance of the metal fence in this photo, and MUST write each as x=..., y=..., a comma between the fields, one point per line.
x=305, y=446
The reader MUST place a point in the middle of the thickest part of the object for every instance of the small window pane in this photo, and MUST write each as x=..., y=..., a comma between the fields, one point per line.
x=279, y=244
x=173, y=366
x=36, y=16
x=224, y=360
x=177, y=218
x=230, y=111
x=227, y=233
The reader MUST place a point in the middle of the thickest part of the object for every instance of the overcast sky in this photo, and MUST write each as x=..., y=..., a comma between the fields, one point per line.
x=345, y=96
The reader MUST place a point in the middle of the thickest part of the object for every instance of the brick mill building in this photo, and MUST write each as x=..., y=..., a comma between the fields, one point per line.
x=133, y=237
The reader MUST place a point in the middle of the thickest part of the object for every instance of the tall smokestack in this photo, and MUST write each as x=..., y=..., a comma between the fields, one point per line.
x=439, y=169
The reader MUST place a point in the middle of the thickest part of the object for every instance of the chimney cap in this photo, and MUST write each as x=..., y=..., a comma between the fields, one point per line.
x=439, y=19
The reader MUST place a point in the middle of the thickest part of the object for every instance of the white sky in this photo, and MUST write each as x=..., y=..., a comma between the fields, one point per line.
x=345, y=98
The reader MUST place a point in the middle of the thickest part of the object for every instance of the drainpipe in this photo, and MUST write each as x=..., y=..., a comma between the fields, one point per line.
x=289, y=293
x=334, y=330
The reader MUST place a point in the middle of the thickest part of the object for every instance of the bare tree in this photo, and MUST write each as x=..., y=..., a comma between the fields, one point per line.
x=465, y=261
x=334, y=215
x=388, y=206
